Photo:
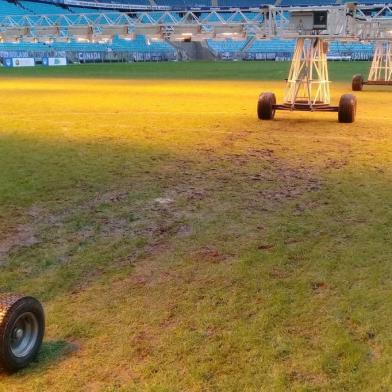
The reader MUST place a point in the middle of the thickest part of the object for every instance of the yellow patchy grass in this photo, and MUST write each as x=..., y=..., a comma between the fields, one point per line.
x=180, y=244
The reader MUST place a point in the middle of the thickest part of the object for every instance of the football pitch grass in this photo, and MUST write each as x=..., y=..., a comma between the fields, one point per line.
x=178, y=243
x=196, y=70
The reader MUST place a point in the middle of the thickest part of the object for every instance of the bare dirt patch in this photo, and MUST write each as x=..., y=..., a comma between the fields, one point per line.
x=21, y=236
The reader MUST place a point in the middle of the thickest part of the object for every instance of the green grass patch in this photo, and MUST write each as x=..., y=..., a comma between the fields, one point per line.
x=196, y=70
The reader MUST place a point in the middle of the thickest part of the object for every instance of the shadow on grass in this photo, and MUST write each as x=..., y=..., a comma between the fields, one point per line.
x=373, y=89
x=52, y=352
x=292, y=121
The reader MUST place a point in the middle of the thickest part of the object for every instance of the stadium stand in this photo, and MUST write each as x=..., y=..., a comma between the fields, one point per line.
x=351, y=50
x=270, y=50
x=132, y=2
x=271, y=46
x=163, y=17
x=244, y=3
x=37, y=8
x=226, y=49
x=139, y=44
x=23, y=47
x=184, y=3
x=7, y=8
x=138, y=49
x=298, y=3
x=54, y=36
x=283, y=49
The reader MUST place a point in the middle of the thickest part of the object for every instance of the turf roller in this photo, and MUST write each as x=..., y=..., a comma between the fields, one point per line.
x=307, y=86
x=22, y=327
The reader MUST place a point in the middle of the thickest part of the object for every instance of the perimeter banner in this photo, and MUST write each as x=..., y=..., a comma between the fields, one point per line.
x=19, y=62
x=54, y=61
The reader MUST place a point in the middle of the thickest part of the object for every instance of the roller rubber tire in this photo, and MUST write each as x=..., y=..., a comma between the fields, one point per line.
x=347, y=108
x=265, y=109
x=22, y=328
x=357, y=82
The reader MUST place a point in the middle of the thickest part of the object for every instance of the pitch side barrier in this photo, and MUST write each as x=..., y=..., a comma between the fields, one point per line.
x=7, y=58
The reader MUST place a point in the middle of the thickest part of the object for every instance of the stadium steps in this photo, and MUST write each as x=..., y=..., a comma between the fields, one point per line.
x=24, y=8
x=193, y=51
x=248, y=44
x=205, y=52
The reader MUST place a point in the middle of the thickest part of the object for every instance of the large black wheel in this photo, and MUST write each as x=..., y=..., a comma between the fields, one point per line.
x=265, y=106
x=22, y=327
x=357, y=82
x=347, y=108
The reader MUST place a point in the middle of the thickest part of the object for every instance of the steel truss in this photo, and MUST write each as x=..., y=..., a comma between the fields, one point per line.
x=380, y=73
x=370, y=22
x=64, y=20
x=345, y=21
x=381, y=69
x=308, y=82
x=307, y=87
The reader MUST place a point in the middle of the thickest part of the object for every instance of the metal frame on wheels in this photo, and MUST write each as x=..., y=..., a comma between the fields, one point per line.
x=307, y=86
x=380, y=73
x=381, y=70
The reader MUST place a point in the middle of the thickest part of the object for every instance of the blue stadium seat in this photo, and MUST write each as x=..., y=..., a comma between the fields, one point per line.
x=353, y=50
x=245, y=3
x=139, y=44
x=297, y=3
x=7, y=8
x=23, y=46
x=43, y=8
x=272, y=46
x=136, y=2
x=226, y=46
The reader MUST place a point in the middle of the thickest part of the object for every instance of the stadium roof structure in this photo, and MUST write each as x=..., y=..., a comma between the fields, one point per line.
x=345, y=22
x=114, y=5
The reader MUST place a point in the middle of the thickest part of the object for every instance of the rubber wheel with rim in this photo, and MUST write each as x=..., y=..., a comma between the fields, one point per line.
x=347, y=108
x=22, y=327
x=357, y=82
x=265, y=106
